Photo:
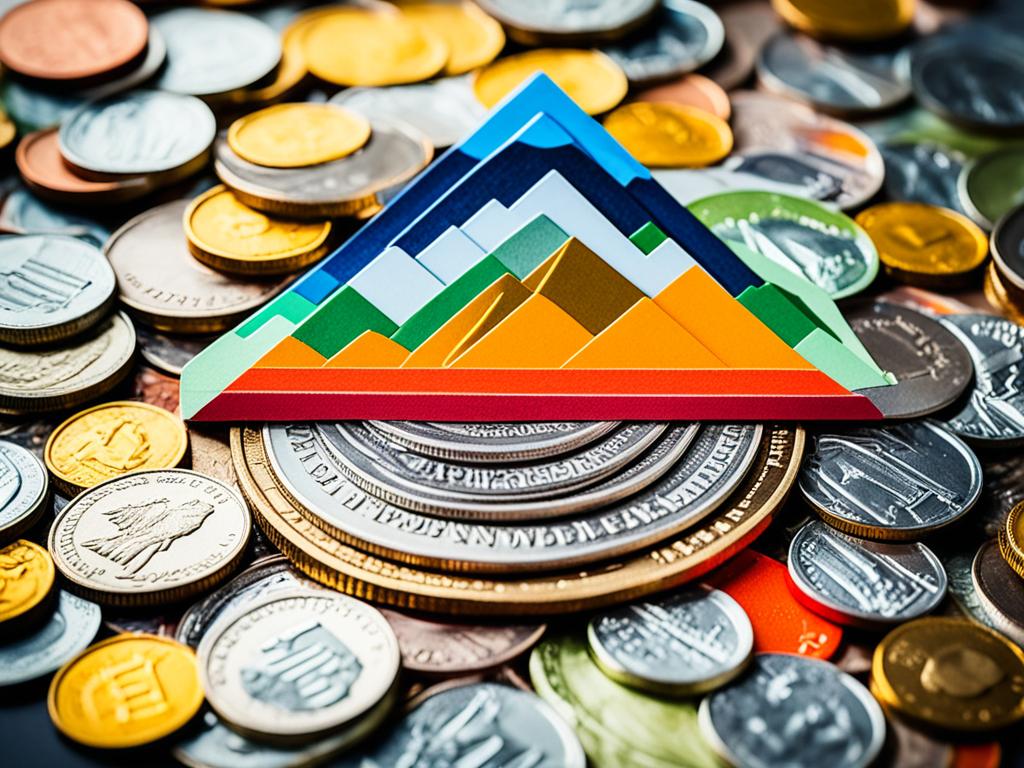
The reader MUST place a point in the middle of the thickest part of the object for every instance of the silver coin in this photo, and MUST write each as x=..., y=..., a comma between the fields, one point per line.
x=684, y=36
x=298, y=664
x=394, y=154
x=932, y=367
x=794, y=711
x=493, y=442
x=24, y=486
x=994, y=414
x=170, y=353
x=51, y=287
x=567, y=21
x=864, y=583
x=70, y=630
x=832, y=79
x=681, y=644
x=1008, y=247
x=921, y=172
x=801, y=174
x=999, y=591
x=142, y=132
x=212, y=52
x=961, y=587
x=488, y=491
x=480, y=724
x=445, y=109
x=54, y=379
x=713, y=466
x=894, y=482
x=24, y=213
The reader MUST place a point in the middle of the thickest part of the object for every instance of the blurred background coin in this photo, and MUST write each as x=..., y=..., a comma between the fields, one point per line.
x=992, y=185
x=922, y=172
x=473, y=38
x=867, y=20
x=690, y=90
x=536, y=22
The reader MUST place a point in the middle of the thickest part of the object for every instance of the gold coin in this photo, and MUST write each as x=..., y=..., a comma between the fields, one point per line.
x=111, y=440
x=850, y=20
x=229, y=236
x=7, y=130
x=662, y=135
x=1011, y=539
x=998, y=294
x=352, y=46
x=744, y=515
x=593, y=80
x=26, y=581
x=298, y=135
x=924, y=244
x=474, y=38
x=126, y=691
x=951, y=675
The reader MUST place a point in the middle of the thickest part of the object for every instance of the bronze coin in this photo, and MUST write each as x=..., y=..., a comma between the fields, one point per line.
x=691, y=91
x=72, y=40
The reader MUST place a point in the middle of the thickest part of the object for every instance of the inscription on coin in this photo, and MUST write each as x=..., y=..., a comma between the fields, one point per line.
x=23, y=490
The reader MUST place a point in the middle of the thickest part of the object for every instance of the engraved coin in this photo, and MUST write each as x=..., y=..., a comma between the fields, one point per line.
x=994, y=414
x=164, y=286
x=670, y=135
x=462, y=724
x=66, y=376
x=296, y=665
x=950, y=674
x=895, y=482
x=151, y=537
x=24, y=490
x=863, y=583
x=681, y=644
x=999, y=590
x=828, y=718
x=1008, y=248
x=26, y=584
x=493, y=442
x=531, y=22
x=51, y=287
x=933, y=368
x=141, y=132
x=691, y=489
x=126, y=691
x=296, y=135
x=110, y=440
x=922, y=172
x=71, y=628
x=992, y=185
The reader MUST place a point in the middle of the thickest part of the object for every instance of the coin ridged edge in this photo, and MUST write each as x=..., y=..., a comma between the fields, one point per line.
x=1009, y=545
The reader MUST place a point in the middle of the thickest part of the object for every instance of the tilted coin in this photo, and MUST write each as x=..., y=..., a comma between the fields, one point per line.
x=994, y=415
x=348, y=187
x=24, y=490
x=298, y=134
x=685, y=35
x=690, y=90
x=298, y=664
x=992, y=185
x=69, y=375
x=680, y=644
x=828, y=718
x=493, y=442
x=922, y=172
x=125, y=691
x=142, y=132
x=532, y=22
x=24, y=213
x=473, y=38
x=863, y=583
x=1008, y=247
x=691, y=489
x=26, y=585
x=619, y=727
x=868, y=20
x=951, y=675
x=151, y=537
x=896, y=482
x=463, y=724
x=170, y=353
x=826, y=247
x=211, y=53
x=670, y=135
x=1011, y=538
x=164, y=286
x=51, y=287
x=933, y=368
x=1000, y=591
x=110, y=440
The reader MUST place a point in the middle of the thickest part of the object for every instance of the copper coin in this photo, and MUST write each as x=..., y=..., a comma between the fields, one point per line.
x=72, y=40
x=44, y=171
x=691, y=91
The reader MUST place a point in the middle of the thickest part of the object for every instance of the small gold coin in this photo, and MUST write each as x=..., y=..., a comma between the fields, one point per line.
x=229, y=236
x=7, y=130
x=1011, y=539
x=352, y=46
x=852, y=20
x=474, y=38
x=26, y=579
x=593, y=80
x=126, y=691
x=662, y=135
x=950, y=674
x=111, y=440
x=298, y=135
x=923, y=244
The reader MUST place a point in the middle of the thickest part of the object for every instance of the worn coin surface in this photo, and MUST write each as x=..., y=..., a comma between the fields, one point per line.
x=24, y=490
x=72, y=626
x=828, y=717
x=863, y=583
x=537, y=21
x=1008, y=248
x=151, y=537
x=895, y=482
x=1000, y=591
x=922, y=172
x=26, y=582
x=680, y=644
x=666, y=135
x=298, y=664
x=931, y=365
x=298, y=134
x=992, y=185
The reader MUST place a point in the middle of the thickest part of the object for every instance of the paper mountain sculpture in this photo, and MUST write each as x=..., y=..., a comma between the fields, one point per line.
x=536, y=271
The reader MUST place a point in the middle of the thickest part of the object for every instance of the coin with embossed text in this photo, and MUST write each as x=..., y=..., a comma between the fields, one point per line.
x=71, y=628
x=24, y=490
